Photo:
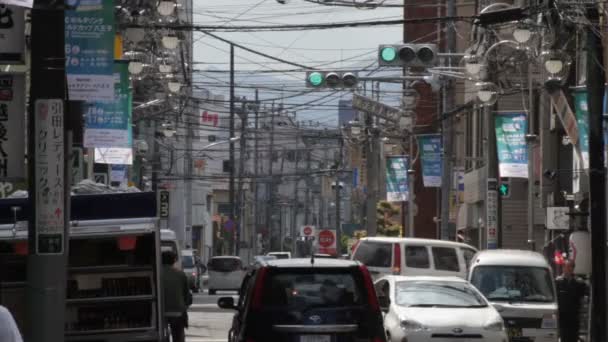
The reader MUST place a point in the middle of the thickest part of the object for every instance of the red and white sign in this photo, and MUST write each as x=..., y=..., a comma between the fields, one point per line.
x=209, y=119
x=327, y=241
x=307, y=231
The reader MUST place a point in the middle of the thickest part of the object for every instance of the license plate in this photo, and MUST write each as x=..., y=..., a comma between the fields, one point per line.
x=514, y=333
x=315, y=338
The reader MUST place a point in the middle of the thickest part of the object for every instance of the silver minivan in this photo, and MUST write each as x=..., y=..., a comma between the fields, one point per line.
x=413, y=256
x=521, y=287
x=225, y=273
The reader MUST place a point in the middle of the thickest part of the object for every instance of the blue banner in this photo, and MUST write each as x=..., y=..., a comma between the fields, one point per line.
x=582, y=121
x=108, y=124
x=511, y=145
x=430, y=148
x=89, y=50
x=397, y=188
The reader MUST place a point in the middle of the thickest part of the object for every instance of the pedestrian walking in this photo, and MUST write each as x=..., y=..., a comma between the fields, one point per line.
x=177, y=297
x=570, y=291
x=9, y=332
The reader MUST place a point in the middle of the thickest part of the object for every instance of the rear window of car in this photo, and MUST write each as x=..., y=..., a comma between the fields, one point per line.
x=417, y=257
x=445, y=259
x=224, y=264
x=374, y=254
x=300, y=289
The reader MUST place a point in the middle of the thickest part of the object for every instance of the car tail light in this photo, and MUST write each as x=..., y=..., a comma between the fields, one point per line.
x=378, y=339
x=369, y=288
x=194, y=274
x=396, y=258
x=258, y=290
x=354, y=247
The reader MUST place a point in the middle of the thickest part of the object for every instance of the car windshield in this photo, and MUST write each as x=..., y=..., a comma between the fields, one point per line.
x=224, y=264
x=514, y=283
x=300, y=290
x=187, y=261
x=437, y=294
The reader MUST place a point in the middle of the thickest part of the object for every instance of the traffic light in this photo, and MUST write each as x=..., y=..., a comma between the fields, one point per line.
x=331, y=79
x=411, y=55
x=504, y=188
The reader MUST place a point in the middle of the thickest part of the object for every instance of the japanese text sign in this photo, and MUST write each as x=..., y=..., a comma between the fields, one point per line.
x=12, y=117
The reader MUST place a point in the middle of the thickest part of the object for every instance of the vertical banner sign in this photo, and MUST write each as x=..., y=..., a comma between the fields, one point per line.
x=396, y=178
x=49, y=157
x=163, y=209
x=511, y=129
x=107, y=124
x=430, y=156
x=12, y=34
x=12, y=117
x=492, y=214
x=582, y=120
x=89, y=50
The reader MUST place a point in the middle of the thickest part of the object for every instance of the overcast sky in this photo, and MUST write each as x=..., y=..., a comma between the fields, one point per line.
x=336, y=48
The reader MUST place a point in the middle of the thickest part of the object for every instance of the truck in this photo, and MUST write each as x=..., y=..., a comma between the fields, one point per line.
x=114, y=292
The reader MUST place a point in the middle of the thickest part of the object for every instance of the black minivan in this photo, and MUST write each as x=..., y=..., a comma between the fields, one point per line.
x=304, y=300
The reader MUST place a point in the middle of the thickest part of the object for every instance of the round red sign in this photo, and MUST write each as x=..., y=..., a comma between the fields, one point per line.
x=307, y=231
x=326, y=238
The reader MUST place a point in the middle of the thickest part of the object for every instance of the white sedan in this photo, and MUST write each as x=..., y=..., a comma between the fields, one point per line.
x=437, y=309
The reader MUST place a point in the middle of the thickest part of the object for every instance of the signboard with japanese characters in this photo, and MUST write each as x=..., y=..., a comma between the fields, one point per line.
x=12, y=117
x=89, y=50
x=163, y=204
x=12, y=34
x=492, y=214
x=50, y=178
x=77, y=162
x=118, y=155
x=108, y=124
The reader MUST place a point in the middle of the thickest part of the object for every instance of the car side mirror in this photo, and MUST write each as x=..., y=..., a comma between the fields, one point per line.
x=226, y=303
x=384, y=303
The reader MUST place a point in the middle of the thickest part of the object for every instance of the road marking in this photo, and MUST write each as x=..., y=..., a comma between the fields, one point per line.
x=199, y=339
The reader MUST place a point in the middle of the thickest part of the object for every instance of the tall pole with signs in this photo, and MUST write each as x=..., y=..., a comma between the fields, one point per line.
x=48, y=188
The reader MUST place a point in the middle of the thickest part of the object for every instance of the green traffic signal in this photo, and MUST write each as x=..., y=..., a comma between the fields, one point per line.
x=504, y=190
x=388, y=54
x=315, y=79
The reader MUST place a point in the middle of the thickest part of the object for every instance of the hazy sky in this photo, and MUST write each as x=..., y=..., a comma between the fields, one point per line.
x=336, y=48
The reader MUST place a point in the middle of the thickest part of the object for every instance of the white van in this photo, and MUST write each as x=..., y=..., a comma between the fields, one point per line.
x=520, y=285
x=168, y=242
x=413, y=257
x=225, y=273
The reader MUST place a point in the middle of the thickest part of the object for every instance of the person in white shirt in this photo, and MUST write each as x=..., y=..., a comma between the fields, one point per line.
x=9, y=332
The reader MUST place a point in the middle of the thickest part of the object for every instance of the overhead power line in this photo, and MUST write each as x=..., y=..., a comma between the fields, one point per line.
x=299, y=27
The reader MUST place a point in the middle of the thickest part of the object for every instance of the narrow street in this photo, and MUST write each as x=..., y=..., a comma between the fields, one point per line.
x=208, y=323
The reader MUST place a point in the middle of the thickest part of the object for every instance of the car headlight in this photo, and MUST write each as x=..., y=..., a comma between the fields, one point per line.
x=410, y=325
x=496, y=325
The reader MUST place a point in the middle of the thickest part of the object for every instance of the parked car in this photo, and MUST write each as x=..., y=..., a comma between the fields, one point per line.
x=225, y=273
x=437, y=308
x=325, y=300
x=191, y=268
x=168, y=242
x=413, y=257
x=520, y=284
x=280, y=255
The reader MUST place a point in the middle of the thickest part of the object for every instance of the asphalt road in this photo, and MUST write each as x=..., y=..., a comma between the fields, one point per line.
x=208, y=323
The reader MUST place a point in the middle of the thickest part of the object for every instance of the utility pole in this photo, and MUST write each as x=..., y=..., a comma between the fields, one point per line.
x=372, y=175
x=242, y=149
x=597, y=177
x=231, y=194
x=270, y=180
x=446, y=130
x=308, y=186
x=256, y=220
x=339, y=165
x=47, y=259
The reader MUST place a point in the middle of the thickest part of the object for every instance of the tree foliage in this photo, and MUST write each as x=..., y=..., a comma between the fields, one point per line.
x=388, y=225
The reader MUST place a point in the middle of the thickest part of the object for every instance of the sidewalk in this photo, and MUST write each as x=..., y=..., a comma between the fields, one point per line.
x=208, y=326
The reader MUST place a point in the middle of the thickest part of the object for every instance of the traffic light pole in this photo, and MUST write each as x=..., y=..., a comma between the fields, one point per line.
x=231, y=185
x=46, y=265
x=597, y=177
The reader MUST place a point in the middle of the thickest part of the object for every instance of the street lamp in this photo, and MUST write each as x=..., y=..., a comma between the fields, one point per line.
x=487, y=93
x=557, y=64
x=474, y=65
x=166, y=8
